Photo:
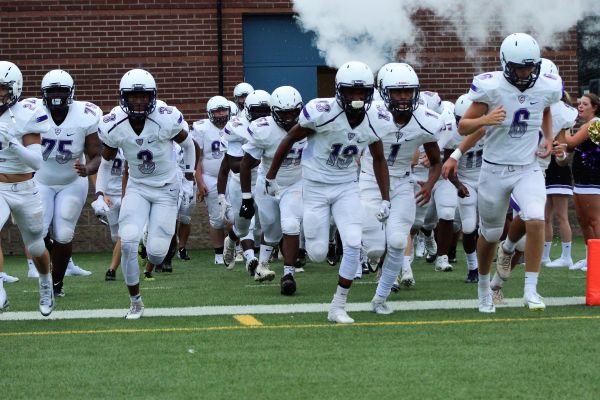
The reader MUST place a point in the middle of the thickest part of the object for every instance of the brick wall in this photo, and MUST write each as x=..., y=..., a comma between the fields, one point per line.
x=176, y=40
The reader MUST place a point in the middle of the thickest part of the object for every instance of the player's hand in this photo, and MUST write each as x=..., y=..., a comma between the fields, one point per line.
x=424, y=195
x=108, y=200
x=462, y=191
x=100, y=206
x=80, y=168
x=187, y=192
x=450, y=168
x=424, y=160
x=202, y=191
x=544, y=150
x=271, y=187
x=496, y=116
x=559, y=150
x=384, y=211
x=247, y=208
x=223, y=207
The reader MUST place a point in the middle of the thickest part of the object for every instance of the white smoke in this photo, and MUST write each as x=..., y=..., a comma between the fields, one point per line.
x=374, y=31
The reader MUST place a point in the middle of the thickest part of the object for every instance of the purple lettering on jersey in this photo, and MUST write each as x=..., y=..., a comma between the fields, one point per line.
x=431, y=115
x=42, y=118
x=381, y=114
x=226, y=131
x=305, y=113
x=180, y=119
x=474, y=88
x=109, y=117
x=485, y=76
x=250, y=132
x=323, y=106
x=550, y=76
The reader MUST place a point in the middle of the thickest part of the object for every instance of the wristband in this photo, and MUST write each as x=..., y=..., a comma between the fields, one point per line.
x=246, y=196
x=456, y=154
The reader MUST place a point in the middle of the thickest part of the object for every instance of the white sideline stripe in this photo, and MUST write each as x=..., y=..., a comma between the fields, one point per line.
x=275, y=309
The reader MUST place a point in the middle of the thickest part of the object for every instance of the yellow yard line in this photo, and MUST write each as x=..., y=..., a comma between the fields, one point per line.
x=299, y=326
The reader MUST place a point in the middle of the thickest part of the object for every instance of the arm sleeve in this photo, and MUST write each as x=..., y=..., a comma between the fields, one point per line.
x=103, y=176
x=189, y=154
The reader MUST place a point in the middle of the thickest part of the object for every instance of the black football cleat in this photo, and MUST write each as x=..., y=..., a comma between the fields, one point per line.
x=110, y=275
x=183, y=254
x=472, y=277
x=288, y=285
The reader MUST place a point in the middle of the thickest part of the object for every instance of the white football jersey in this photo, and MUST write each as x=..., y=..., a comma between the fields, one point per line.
x=149, y=154
x=265, y=136
x=235, y=135
x=469, y=164
x=29, y=118
x=63, y=144
x=431, y=100
x=114, y=186
x=210, y=140
x=515, y=141
x=331, y=152
x=401, y=142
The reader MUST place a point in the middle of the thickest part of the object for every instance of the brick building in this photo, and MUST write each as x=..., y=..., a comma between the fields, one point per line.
x=178, y=41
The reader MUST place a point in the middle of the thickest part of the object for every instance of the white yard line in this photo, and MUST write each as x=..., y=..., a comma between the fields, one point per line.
x=274, y=309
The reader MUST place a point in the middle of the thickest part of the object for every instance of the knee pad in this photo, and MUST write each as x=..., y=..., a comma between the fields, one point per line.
x=241, y=226
x=317, y=251
x=446, y=212
x=532, y=211
x=310, y=225
x=64, y=235
x=350, y=262
x=290, y=226
x=129, y=233
x=491, y=234
x=157, y=249
x=397, y=240
x=36, y=248
x=216, y=222
x=469, y=225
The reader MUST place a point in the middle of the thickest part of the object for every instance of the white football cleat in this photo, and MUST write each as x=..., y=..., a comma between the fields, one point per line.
x=379, y=306
x=74, y=270
x=8, y=278
x=534, y=302
x=581, y=264
x=442, y=264
x=263, y=273
x=46, y=298
x=229, y=253
x=407, y=279
x=239, y=255
x=503, y=260
x=430, y=245
x=338, y=315
x=3, y=300
x=420, y=247
x=486, y=304
x=136, y=310
x=219, y=259
x=559, y=263
x=498, y=296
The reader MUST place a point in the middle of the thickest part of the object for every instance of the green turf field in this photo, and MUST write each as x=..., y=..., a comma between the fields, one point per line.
x=410, y=354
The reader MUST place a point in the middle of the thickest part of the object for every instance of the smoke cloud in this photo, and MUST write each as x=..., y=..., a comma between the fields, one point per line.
x=374, y=31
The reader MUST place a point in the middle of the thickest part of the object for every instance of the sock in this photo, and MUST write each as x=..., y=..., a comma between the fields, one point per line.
x=30, y=264
x=289, y=269
x=71, y=263
x=508, y=246
x=566, y=251
x=249, y=254
x=46, y=278
x=136, y=299
x=265, y=253
x=531, y=279
x=546, y=253
x=340, y=296
x=484, y=282
x=407, y=262
x=219, y=250
x=472, y=261
x=497, y=282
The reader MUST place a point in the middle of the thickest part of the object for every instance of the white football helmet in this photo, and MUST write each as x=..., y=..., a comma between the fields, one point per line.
x=286, y=105
x=548, y=67
x=218, y=103
x=12, y=79
x=461, y=106
x=354, y=75
x=381, y=73
x=240, y=92
x=137, y=80
x=400, y=76
x=234, y=108
x=58, y=89
x=257, y=105
x=520, y=50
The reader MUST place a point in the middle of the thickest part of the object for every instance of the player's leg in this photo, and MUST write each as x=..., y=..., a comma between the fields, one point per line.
x=446, y=201
x=290, y=206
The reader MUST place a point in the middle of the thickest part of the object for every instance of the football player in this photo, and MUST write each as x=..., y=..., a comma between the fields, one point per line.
x=513, y=105
x=62, y=178
x=240, y=92
x=208, y=134
x=280, y=216
x=21, y=126
x=144, y=128
x=403, y=125
x=337, y=131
